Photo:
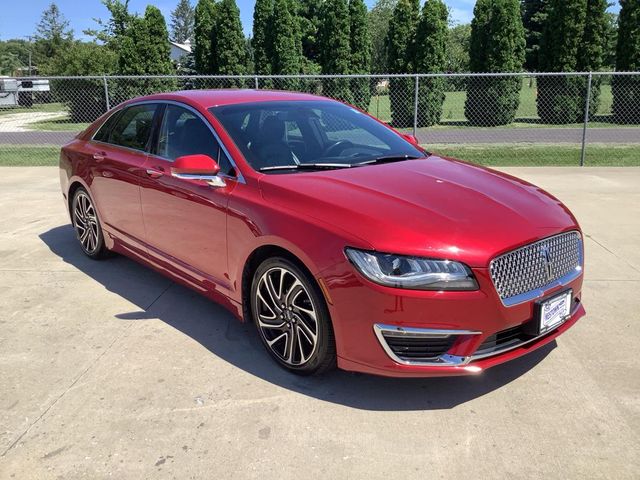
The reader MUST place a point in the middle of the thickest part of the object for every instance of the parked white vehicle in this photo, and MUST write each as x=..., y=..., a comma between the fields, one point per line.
x=18, y=92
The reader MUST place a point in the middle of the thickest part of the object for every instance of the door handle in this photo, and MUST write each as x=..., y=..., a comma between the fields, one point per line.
x=154, y=173
x=99, y=156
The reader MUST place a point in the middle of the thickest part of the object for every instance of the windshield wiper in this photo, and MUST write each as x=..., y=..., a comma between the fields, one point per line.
x=388, y=159
x=307, y=166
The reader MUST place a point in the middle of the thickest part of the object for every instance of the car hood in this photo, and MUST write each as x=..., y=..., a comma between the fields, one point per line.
x=433, y=207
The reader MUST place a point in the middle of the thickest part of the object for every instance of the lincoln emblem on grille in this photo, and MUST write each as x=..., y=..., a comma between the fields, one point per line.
x=546, y=256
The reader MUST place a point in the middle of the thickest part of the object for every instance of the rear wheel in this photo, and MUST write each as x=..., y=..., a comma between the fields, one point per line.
x=87, y=225
x=292, y=317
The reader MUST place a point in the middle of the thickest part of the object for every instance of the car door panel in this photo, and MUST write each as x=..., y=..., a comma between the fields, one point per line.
x=186, y=219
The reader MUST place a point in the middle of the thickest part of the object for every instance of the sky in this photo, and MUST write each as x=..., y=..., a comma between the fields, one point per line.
x=18, y=19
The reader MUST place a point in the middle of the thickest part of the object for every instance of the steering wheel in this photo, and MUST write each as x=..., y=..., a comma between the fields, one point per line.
x=336, y=147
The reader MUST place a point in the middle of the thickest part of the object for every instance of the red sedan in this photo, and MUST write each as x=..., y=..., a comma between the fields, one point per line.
x=342, y=240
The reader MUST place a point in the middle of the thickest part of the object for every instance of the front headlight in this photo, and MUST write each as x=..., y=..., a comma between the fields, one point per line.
x=415, y=273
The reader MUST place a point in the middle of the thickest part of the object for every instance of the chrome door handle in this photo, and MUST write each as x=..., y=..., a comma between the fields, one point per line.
x=154, y=173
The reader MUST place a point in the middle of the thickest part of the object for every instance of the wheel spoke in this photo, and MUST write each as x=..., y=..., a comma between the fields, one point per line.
x=86, y=223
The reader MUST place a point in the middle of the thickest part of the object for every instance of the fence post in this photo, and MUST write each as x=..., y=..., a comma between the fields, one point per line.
x=586, y=120
x=106, y=92
x=256, y=81
x=415, y=108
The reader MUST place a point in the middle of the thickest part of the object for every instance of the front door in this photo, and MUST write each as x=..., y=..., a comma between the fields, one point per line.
x=186, y=219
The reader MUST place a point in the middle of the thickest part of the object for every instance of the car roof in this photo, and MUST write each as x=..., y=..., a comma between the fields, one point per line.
x=212, y=98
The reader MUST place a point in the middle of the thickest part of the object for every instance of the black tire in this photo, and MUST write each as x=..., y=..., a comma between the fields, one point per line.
x=86, y=224
x=305, y=313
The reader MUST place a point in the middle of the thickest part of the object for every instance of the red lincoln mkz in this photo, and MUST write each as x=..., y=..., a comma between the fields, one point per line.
x=342, y=240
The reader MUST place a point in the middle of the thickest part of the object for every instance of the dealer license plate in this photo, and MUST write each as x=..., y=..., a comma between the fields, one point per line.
x=554, y=311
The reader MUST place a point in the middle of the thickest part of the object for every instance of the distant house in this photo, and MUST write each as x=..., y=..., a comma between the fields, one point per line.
x=179, y=51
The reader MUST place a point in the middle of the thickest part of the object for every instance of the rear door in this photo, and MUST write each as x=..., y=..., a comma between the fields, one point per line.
x=185, y=219
x=119, y=155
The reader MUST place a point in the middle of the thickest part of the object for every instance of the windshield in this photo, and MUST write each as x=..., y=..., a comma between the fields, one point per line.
x=275, y=135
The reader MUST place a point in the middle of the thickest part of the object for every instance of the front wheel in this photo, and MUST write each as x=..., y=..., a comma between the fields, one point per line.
x=292, y=317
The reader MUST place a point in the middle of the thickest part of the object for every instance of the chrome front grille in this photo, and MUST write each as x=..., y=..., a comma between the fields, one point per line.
x=522, y=274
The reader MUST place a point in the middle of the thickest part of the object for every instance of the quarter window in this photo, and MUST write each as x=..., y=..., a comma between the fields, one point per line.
x=133, y=127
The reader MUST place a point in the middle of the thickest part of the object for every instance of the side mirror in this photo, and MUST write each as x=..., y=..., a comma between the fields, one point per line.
x=411, y=138
x=198, y=167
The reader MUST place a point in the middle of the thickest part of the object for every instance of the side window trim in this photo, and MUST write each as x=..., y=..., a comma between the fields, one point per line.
x=221, y=147
x=158, y=106
x=115, y=114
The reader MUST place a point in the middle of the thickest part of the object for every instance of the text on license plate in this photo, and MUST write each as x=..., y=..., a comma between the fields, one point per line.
x=555, y=311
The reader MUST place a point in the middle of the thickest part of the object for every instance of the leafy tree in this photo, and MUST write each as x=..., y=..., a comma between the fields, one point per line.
x=308, y=14
x=85, y=98
x=9, y=63
x=229, y=54
x=533, y=17
x=497, y=45
x=591, y=52
x=204, y=21
x=182, y=22
x=262, y=38
x=611, y=40
x=52, y=34
x=431, y=44
x=335, y=48
x=400, y=48
x=14, y=54
x=379, y=18
x=287, y=47
x=560, y=98
x=458, y=40
x=626, y=89
x=360, y=53
x=111, y=31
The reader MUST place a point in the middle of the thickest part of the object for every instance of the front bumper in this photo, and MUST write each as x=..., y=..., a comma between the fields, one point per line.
x=361, y=311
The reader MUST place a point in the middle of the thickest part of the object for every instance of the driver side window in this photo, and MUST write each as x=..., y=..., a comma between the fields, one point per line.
x=184, y=133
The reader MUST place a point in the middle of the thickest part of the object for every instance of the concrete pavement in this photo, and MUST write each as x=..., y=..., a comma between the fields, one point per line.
x=108, y=370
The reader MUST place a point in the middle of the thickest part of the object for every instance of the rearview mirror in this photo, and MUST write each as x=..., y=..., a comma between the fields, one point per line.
x=198, y=167
x=411, y=138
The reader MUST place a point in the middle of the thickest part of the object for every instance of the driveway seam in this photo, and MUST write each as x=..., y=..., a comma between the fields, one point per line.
x=614, y=253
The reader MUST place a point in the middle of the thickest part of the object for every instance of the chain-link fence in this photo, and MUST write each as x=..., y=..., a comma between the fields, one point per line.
x=493, y=119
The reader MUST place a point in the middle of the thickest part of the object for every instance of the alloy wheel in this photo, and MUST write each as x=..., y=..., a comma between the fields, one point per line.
x=85, y=222
x=286, y=316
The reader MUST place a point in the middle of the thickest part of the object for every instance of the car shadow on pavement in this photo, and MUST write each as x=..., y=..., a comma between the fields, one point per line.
x=218, y=331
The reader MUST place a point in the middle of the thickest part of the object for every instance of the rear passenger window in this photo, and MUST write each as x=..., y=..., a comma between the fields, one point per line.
x=102, y=135
x=133, y=127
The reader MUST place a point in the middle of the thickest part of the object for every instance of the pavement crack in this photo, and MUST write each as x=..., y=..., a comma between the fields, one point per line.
x=613, y=253
x=171, y=284
x=75, y=381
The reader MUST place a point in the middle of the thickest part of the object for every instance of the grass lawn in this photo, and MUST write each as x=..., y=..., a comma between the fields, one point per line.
x=28, y=155
x=37, y=107
x=527, y=116
x=57, y=125
x=493, y=154
x=600, y=155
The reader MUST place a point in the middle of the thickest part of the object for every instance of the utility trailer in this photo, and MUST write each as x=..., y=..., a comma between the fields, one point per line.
x=16, y=92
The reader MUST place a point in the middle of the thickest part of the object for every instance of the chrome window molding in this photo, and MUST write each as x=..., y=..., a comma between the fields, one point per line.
x=239, y=177
x=542, y=290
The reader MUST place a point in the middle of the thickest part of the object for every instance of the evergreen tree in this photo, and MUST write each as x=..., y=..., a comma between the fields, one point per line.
x=308, y=14
x=52, y=35
x=286, y=58
x=182, y=20
x=335, y=48
x=533, y=18
x=205, y=19
x=379, y=18
x=591, y=53
x=229, y=54
x=626, y=89
x=497, y=45
x=400, y=48
x=431, y=41
x=360, y=53
x=560, y=98
x=158, y=52
x=262, y=36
